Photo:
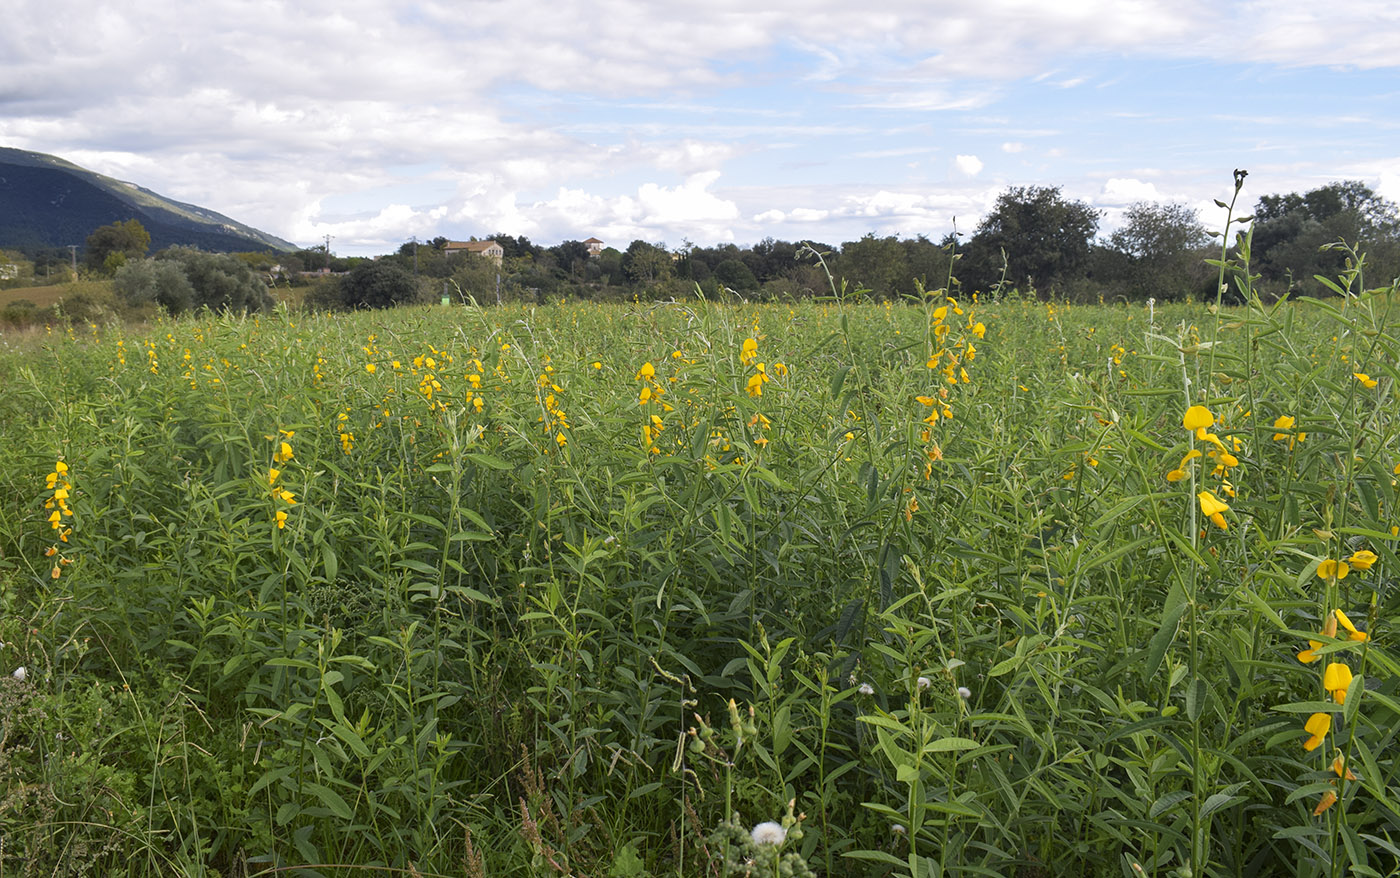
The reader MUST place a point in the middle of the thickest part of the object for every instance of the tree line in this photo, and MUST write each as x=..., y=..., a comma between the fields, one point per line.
x=1034, y=239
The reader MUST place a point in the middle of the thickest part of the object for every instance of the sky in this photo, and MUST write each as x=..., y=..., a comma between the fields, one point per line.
x=729, y=121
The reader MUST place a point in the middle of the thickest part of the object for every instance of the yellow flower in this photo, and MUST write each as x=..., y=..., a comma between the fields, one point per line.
x=283, y=453
x=1198, y=418
x=1330, y=569
x=646, y=373
x=370, y=367
x=596, y=364
x=644, y=397
x=1336, y=679
x=1318, y=725
x=1366, y=380
x=1352, y=633
x=281, y=519
x=1309, y=655
x=272, y=474
x=979, y=330
x=1213, y=507
x=60, y=467
x=287, y=497
x=749, y=351
x=755, y=384
x=1363, y=559
x=561, y=439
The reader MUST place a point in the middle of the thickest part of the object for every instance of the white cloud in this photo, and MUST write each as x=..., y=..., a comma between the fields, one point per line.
x=355, y=115
x=1120, y=190
x=968, y=165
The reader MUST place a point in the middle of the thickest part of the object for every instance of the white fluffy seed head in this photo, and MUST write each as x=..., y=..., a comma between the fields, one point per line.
x=769, y=832
x=866, y=689
x=964, y=692
x=20, y=673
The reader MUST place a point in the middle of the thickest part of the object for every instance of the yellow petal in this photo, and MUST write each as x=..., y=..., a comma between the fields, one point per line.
x=1210, y=504
x=1318, y=725
x=1337, y=676
x=1361, y=560
x=1197, y=417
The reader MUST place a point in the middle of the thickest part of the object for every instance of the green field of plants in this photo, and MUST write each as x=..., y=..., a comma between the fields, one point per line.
x=933, y=587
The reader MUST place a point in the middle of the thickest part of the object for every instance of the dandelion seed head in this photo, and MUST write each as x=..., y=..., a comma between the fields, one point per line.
x=769, y=832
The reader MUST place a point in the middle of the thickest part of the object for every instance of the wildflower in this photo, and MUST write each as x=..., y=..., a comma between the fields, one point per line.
x=1213, y=507
x=283, y=453
x=1197, y=419
x=596, y=364
x=20, y=673
x=964, y=693
x=1179, y=473
x=866, y=689
x=561, y=439
x=924, y=682
x=1336, y=679
x=1317, y=726
x=646, y=373
x=1329, y=799
x=769, y=832
x=370, y=367
x=1339, y=765
x=749, y=352
x=1352, y=633
x=281, y=519
x=1330, y=570
x=1363, y=559
x=1366, y=380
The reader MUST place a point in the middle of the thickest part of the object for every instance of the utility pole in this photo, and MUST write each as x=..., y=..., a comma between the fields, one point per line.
x=415, y=255
x=328, y=254
x=73, y=250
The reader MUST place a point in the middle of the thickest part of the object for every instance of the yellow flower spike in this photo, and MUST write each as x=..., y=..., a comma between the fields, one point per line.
x=1198, y=418
x=1352, y=634
x=1332, y=570
x=1317, y=726
x=1366, y=380
x=1361, y=560
x=1336, y=679
x=1309, y=655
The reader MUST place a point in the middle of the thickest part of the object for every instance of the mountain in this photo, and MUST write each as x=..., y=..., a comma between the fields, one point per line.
x=48, y=202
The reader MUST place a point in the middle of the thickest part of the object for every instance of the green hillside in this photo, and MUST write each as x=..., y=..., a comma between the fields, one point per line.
x=46, y=201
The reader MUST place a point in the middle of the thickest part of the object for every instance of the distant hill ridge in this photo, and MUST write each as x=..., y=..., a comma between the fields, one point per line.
x=46, y=201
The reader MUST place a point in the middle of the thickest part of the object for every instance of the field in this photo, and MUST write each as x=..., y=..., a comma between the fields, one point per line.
x=935, y=588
